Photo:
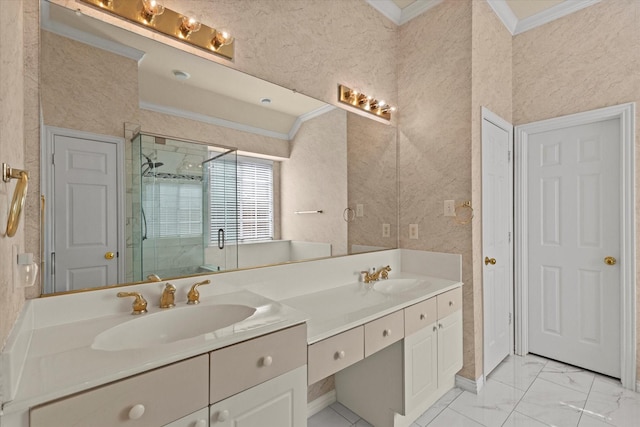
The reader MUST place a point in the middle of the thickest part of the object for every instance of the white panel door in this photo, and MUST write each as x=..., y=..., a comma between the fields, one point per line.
x=574, y=223
x=85, y=213
x=496, y=228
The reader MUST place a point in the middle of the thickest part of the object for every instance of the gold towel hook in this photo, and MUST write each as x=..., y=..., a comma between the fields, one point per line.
x=19, y=196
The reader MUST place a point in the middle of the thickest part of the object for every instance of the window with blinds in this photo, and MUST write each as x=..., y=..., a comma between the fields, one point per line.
x=251, y=182
x=173, y=209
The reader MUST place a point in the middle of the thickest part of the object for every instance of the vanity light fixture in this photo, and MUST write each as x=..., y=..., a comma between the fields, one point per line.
x=151, y=9
x=151, y=14
x=188, y=26
x=220, y=38
x=368, y=103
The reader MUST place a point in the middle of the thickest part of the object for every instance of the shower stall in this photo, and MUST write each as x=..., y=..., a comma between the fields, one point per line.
x=183, y=211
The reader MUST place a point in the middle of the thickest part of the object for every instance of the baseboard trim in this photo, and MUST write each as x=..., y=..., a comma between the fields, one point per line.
x=321, y=402
x=470, y=385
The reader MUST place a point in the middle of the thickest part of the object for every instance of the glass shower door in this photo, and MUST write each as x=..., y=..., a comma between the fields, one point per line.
x=221, y=216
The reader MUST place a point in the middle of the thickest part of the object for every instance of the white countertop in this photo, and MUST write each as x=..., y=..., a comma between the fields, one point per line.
x=61, y=361
x=336, y=310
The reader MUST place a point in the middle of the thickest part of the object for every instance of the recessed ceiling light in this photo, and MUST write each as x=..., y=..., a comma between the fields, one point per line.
x=181, y=75
x=265, y=101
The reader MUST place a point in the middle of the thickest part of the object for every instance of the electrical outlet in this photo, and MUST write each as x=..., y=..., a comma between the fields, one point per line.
x=449, y=208
x=413, y=231
x=386, y=230
x=359, y=210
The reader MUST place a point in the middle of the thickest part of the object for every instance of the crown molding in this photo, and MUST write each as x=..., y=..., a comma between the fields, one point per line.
x=565, y=8
x=308, y=116
x=515, y=26
x=506, y=15
x=401, y=16
x=177, y=112
x=86, y=38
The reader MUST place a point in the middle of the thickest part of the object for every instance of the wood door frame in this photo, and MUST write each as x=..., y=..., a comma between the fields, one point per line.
x=626, y=114
x=501, y=123
x=46, y=188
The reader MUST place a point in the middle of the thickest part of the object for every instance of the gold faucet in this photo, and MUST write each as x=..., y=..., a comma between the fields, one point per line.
x=167, y=300
x=139, y=304
x=154, y=278
x=376, y=275
x=193, y=297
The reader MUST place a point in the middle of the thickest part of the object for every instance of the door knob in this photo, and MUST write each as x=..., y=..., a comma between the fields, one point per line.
x=488, y=261
x=609, y=260
x=109, y=255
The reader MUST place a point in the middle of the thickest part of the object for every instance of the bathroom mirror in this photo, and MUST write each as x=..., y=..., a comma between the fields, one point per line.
x=333, y=172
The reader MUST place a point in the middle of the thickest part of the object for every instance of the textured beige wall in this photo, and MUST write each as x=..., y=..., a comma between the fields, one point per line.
x=491, y=88
x=315, y=178
x=434, y=97
x=12, y=110
x=371, y=168
x=584, y=61
x=86, y=88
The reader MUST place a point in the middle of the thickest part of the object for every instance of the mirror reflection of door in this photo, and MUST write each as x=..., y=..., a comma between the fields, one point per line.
x=84, y=210
x=220, y=192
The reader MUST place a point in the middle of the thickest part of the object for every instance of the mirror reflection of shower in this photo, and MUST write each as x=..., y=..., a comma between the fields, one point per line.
x=148, y=169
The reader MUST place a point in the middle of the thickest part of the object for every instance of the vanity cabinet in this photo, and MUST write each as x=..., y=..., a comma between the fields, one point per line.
x=333, y=354
x=249, y=382
x=154, y=398
x=280, y=402
x=393, y=386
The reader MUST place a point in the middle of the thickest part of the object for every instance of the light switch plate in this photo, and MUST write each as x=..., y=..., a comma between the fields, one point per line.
x=386, y=230
x=413, y=231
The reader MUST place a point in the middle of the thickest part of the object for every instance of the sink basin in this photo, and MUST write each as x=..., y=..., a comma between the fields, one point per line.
x=395, y=286
x=170, y=326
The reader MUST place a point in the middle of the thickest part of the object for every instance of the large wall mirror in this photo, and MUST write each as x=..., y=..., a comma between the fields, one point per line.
x=156, y=161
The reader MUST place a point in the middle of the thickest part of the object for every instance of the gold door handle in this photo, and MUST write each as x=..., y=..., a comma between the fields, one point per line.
x=609, y=260
x=109, y=255
x=488, y=261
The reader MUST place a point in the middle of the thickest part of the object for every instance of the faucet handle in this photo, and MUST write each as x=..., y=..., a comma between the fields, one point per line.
x=139, y=304
x=193, y=297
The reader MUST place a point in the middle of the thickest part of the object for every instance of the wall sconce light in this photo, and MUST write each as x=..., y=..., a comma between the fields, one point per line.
x=188, y=26
x=150, y=14
x=368, y=103
x=151, y=9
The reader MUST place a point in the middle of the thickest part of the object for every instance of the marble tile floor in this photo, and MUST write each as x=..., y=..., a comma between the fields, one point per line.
x=521, y=392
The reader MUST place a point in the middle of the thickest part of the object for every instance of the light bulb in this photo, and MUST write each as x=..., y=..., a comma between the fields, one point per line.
x=188, y=26
x=151, y=9
x=221, y=38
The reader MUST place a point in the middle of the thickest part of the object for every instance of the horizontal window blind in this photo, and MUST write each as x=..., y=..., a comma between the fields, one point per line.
x=250, y=182
x=173, y=209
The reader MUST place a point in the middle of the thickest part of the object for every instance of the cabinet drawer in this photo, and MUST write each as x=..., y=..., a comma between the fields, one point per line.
x=383, y=332
x=420, y=315
x=241, y=366
x=449, y=302
x=164, y=395
x=333, y=354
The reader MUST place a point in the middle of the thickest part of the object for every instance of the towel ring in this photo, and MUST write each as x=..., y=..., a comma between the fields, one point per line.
x=349, y=215
x=466, y=211
x=19, y=196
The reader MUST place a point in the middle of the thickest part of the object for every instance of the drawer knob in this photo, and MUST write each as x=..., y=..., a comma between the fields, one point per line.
x=136, y=412
x=223, y=415
x=422, y=317
x=386, y=332
x=440, y=325
x=450, y=303
x=267, y=361
x=340, y=354
x=201, y=423
x=435, y=328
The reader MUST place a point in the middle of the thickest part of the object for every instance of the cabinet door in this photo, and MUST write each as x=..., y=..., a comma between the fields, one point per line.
x=450, y=345
x=420, y=366
x=280, y=402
